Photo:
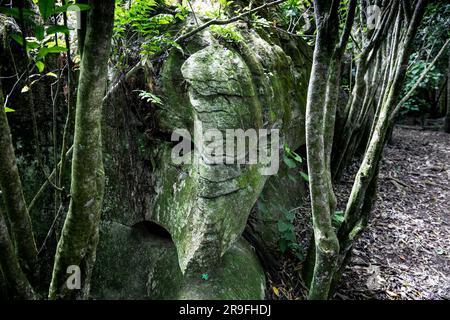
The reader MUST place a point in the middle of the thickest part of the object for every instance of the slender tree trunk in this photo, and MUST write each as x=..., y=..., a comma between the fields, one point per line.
x=79, y=237
x=15, y=279
x=323, y=92
x=325, y=240
x=81, y=33
x=447, y=114
x=16, y=208
x=355, y=212
x=357, y=106
x=361, y=224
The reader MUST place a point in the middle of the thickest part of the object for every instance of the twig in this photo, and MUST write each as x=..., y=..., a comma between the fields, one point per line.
x=46, y=183
x=70, y=109
x=50, y=231
x=124, y=77
x=193, y=12
x=399, y=182
x=12, y=90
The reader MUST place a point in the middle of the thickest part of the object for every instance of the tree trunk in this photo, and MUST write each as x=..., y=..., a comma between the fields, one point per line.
x=325, y=240
x=447, y=114
x=16, y=208
x=79, y=236
x=16, y=280
x=320, y=121
x=355, y=212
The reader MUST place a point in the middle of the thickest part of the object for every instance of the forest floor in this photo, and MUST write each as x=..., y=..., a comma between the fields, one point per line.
x=405, y=251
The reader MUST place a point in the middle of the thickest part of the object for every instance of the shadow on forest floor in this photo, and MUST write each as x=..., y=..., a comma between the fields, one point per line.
x=405, y=251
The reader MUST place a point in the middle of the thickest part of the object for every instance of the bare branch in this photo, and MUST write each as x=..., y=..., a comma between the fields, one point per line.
x=46, y=183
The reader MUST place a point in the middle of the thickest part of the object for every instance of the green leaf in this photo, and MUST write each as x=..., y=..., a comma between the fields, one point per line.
x=290, y=216
x=289, y=162
x=42, y=53
x=31, y=44
x=58, y=29
x=46, y=50
x=289, y=235
x=304, y=176
x=150, y=97
x=17, y=37
x=283, y=245
x=9, y=110
x=57, y=49
x=283, y=226
x=205, y=276
x=296, y=157
x=46, y=8
x=337, y=219
x=15, y=13
x=40, y=65
x=39, y=32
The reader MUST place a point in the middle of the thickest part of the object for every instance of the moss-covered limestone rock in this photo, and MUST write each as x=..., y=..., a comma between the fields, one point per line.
x=139, y=265
x=250, y=84
x=260, y=82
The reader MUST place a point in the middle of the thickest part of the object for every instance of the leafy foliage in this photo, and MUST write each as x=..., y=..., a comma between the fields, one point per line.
x=227, y=32
x=285, y=226
x=295, y=16
x=142, y=19
x=288, y=238
x=292, y=160
x=429, y=40
x=149, y=97
x=44, y=39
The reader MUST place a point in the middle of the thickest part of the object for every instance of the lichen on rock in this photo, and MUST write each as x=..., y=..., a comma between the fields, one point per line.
x=156, y=274
x=258, y=82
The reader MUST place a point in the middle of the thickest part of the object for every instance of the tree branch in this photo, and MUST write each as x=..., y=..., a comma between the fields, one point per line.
x=348, y=27
x=14, y=200
x=46, y=183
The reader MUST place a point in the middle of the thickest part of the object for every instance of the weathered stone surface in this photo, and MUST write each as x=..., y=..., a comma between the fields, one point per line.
x=249, y=84
x=133, y=264
x=257, y=83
